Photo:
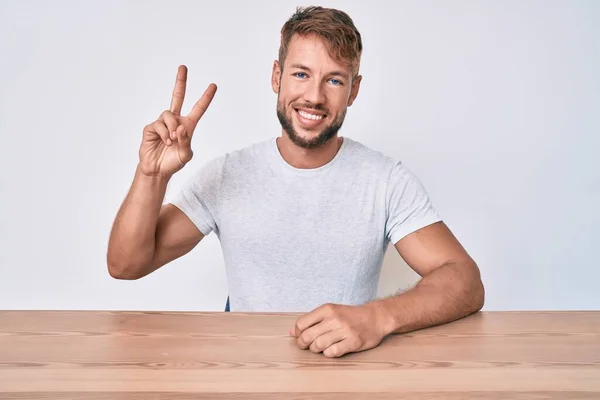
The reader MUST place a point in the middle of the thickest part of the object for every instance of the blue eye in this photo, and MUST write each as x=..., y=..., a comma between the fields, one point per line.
x=333, y=80
x=299, y=73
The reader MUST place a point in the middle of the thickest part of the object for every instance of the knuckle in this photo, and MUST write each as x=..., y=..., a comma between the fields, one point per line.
x=160, y=127
x=334, y=351
x=320, y=344
x=329, y=307
x=357, y=342
x=169, y=118
x=305, y=338
x=155, y=126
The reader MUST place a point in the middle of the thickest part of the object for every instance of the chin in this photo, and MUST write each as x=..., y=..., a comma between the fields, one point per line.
x=309, y=139
x=307, y=134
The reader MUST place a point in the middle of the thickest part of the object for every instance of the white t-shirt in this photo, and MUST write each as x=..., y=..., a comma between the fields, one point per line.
x=294, y=239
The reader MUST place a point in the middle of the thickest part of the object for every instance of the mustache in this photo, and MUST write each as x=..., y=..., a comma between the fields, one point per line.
x=309, y=106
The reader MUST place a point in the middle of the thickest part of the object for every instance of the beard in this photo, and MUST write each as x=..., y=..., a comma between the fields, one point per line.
x=328, y=133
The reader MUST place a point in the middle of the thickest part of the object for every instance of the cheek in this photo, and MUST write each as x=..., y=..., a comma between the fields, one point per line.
x=291, y=89
x=338, y=97
x=339, y=105
x=292, y=95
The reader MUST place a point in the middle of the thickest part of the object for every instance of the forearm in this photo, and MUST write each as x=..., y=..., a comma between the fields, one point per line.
x=448, y=293
x=132, y=238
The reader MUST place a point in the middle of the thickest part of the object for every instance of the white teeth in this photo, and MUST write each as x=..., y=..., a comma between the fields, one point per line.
x=310, y=116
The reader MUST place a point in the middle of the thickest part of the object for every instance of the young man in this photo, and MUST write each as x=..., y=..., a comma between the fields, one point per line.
x=304, y=219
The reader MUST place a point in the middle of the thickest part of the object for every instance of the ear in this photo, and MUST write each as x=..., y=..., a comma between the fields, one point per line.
x=354, y=90
x=276, y=76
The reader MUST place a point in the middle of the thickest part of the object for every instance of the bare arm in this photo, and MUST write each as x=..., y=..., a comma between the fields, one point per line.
x=451, y=287
x=146, y=234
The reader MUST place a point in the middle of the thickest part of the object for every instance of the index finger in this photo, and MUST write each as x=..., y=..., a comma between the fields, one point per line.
x=202, y=104
x=307, y=320
x=179, y=91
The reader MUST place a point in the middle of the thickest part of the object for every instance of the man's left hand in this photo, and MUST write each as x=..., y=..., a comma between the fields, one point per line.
x=336, y=329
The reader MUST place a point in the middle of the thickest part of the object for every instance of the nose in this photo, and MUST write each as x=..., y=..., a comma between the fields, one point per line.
x=315, y=93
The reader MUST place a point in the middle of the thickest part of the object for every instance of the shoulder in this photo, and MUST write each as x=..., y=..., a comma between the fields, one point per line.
x=248, y=155
x=389, y=171
x=239, y=158
x=365, y=158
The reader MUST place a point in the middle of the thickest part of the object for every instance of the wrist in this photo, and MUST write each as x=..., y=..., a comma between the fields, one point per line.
x=152, y=176
x=385, y=317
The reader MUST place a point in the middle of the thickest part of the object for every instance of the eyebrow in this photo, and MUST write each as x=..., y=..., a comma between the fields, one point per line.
x=304, y=67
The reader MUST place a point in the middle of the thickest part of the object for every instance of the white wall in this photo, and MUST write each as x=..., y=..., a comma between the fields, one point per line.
x=495, y=105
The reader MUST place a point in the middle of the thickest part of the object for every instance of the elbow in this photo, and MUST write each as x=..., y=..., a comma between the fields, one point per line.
x=472, y=290
x=122, y=273
x=479, y=296
x=477, y=293
x=123, y=270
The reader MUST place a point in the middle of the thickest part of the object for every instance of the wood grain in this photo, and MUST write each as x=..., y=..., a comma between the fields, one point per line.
x=182, y=355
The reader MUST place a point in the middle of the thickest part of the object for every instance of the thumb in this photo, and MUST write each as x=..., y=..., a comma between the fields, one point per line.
x=184, y=140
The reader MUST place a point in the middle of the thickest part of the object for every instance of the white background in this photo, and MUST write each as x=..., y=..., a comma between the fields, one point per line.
x=494, y=105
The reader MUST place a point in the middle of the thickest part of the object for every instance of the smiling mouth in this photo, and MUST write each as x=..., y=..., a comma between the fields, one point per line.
x=308, y=115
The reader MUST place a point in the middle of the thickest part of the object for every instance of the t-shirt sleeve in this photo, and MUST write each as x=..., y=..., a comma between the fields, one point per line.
x=198, y=197
x=409, y=207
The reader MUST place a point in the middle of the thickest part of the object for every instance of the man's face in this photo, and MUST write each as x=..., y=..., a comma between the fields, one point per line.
x=313, y=92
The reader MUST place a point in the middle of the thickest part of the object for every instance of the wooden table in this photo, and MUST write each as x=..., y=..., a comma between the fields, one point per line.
x=158, y=355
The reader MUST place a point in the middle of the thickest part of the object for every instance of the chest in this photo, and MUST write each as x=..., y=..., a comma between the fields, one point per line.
x=304, y=221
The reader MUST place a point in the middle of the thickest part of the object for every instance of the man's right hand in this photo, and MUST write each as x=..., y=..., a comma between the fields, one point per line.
x=166, y=143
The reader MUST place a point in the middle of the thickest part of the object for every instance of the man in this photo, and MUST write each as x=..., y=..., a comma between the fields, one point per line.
x=304, y=219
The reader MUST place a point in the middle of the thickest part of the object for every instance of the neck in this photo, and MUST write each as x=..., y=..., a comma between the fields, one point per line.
x=300, y=157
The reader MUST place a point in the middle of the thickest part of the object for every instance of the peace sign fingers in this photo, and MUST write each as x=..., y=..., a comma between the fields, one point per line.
x=202, y=105
x=179, y=91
